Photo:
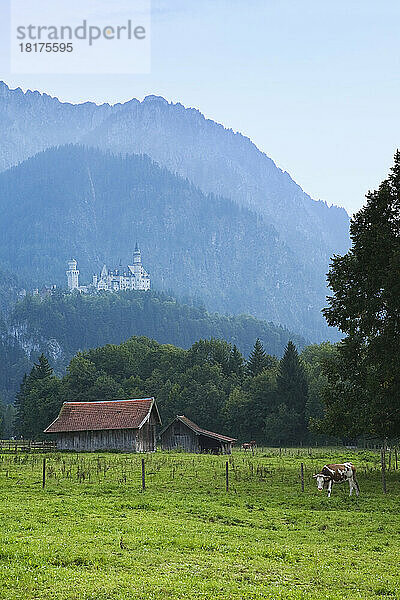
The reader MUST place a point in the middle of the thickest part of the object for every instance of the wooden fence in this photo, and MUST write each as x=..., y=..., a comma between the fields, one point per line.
x=26, y=446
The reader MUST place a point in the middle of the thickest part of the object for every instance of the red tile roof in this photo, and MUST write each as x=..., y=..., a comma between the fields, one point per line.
x=201, y=431
x=107, y=414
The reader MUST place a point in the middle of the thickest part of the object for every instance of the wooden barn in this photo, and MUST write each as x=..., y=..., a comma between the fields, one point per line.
x=126, y=425
x=183, y=434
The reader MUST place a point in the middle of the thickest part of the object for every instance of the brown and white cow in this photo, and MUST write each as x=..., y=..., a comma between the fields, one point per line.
x=249, y=445
x=331, y=474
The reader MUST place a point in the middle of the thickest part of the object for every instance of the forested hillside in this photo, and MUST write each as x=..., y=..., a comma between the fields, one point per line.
x=193, y=244
x=61, y=324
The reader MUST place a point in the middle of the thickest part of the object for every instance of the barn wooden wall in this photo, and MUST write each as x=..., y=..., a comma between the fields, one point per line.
x=125, y=440
x=179, y=436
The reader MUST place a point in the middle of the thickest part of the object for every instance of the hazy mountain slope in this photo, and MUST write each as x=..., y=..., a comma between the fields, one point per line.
x=9, y=288
x=214, y=158
x=226, y=163
x=73, y=202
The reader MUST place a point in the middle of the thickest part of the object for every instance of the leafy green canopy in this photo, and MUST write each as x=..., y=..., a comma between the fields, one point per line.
x=363, y=391
x=209, y=383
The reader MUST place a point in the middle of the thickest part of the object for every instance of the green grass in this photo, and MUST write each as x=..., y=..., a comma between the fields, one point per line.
x=92, y=533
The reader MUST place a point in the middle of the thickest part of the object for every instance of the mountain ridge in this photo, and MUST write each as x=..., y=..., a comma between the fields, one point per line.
x=129, y=128
x=6, y=90
x=216, y=161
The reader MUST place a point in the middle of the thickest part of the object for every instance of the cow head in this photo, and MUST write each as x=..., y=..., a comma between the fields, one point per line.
x=322, y=481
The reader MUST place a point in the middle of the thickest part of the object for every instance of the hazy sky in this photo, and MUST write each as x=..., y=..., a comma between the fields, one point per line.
x=314, y=84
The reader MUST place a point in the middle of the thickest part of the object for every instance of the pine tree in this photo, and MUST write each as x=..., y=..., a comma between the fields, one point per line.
x=292, y=388
x=41, y=369
x=236, y=362
x=258, y=360
x=25, y=410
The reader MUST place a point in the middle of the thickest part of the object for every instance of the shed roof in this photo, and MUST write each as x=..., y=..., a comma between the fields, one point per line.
x=199, y=430
x=101, y=415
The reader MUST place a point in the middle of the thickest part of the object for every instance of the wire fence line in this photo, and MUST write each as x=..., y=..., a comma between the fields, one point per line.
x=293, y=466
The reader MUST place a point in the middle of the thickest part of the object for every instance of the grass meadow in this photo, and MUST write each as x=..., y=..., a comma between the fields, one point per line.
x=94, y=534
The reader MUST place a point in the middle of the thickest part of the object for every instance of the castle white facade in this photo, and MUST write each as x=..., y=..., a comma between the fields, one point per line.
x=132, y=277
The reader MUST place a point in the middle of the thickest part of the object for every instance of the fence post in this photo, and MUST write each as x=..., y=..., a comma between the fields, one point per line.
x=44, y=473
x=395, y=456
x=383, y=468
x=227, y=476
x=302, y=476
x=143, y=476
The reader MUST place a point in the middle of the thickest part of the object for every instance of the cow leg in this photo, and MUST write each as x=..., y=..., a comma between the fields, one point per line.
x=330, y=488
x=357, y=488
x=351, y=486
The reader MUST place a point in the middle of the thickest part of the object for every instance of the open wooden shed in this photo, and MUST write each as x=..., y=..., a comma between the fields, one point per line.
x=183, y=434
x=125, y=425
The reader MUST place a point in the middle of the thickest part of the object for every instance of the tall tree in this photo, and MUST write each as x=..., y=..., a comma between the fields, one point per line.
x=258, y=360
x=292, y=395
x=38, y=400
x=41, y=369
x=365, y=305
x=41, y=406
x=80, y=379
x=292, y=386
x=236, y=362
x=281, y=426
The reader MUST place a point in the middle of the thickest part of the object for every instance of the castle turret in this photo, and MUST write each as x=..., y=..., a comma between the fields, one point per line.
x=137, y=262
x=72, y=275
x=104, y=273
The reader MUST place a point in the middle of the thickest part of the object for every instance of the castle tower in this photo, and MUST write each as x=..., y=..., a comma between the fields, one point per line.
x=72, y=275
x=137, y=262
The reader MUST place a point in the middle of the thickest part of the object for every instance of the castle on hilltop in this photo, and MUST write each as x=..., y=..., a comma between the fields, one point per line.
x=132, y=277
